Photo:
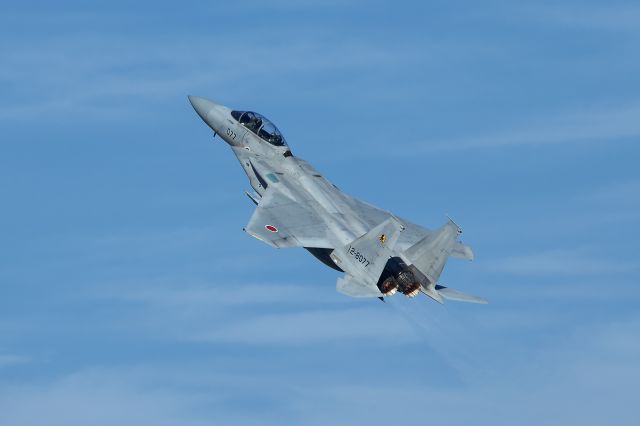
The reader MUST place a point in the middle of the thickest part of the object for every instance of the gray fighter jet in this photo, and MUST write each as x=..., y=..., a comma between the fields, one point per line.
x=379, y=253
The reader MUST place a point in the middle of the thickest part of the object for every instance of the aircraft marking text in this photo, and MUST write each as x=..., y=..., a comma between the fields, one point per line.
x=359, y=256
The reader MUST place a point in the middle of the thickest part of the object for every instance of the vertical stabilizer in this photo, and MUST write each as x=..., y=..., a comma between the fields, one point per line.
x=365, y=258
x=430, y=254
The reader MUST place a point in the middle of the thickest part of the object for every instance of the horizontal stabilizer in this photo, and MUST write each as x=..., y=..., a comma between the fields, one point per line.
x=432, y=293
x=430, y=254
x=451, y=294
x=351, y=287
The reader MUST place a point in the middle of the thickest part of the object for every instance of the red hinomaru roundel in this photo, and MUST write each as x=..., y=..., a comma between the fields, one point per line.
x=271, y=228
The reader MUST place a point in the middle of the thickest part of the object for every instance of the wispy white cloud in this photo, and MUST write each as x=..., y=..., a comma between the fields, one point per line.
x=185, y=294
x=8, y=360
x=265, y=313
x=109, y=76
x=296, y=5
x=562, y=289
x=313, y=327
x=94, y=397
x=563, y=262
x=619, y=18
x=220, y=311
x=539, y=388
x=605, y=126
x=601, y=358
x=616, y=195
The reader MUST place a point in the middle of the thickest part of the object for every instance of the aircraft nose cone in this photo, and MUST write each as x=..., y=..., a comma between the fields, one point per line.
x=202, y=106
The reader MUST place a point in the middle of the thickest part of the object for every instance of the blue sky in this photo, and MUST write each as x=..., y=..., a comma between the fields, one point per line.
x=130, y=295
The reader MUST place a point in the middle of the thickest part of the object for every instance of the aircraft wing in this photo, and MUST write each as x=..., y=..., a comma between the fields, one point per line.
x=374, y=215
x=283, y=222
x=413, y=233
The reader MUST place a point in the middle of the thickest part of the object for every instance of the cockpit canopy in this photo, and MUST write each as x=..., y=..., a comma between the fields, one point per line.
x=261, y=126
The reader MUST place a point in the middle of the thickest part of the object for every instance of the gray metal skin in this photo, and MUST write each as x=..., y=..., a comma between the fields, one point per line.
x=298, y=207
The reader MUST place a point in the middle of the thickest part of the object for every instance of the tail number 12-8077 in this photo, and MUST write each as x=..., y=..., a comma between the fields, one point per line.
x=358, y=256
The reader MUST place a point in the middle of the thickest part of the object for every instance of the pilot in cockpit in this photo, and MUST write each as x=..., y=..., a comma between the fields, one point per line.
x=256, y=124
x=260, y=126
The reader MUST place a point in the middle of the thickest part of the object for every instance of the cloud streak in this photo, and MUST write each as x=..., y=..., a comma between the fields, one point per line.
x=617, y=124
x=562, y=262
x=560, y=384
x=110, y=76
x=312, y=327
x=8, y=360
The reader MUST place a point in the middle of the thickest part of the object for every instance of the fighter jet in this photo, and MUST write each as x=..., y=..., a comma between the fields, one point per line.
x=379, y=253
